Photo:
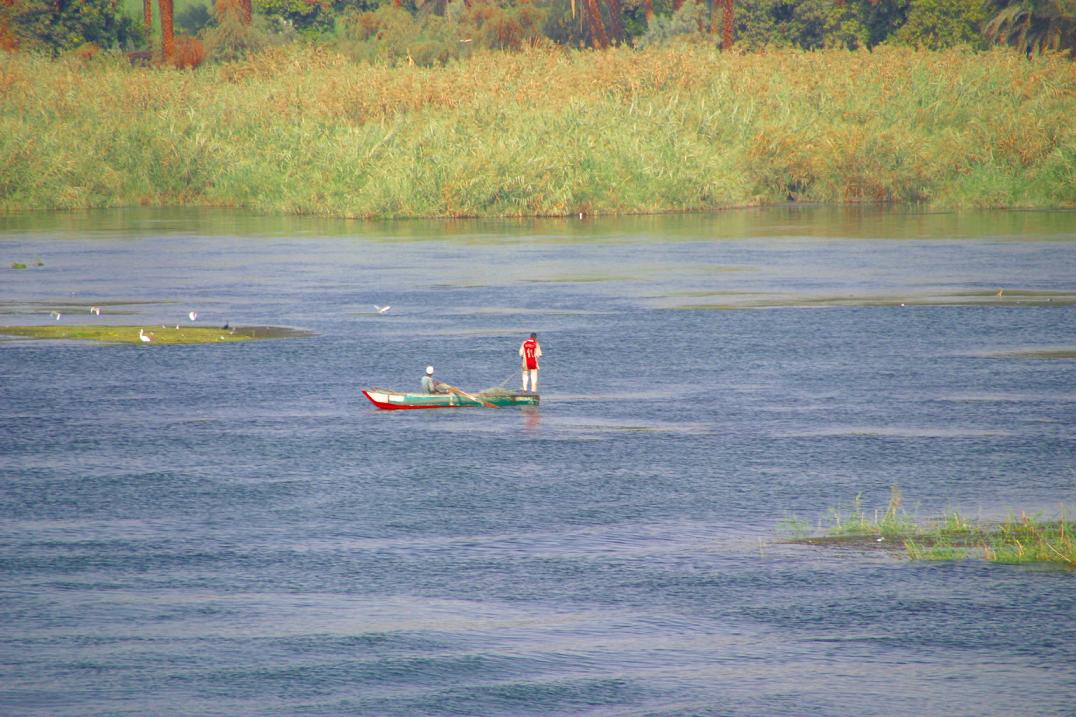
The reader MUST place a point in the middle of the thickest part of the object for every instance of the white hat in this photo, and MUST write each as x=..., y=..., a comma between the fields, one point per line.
x=429, y=370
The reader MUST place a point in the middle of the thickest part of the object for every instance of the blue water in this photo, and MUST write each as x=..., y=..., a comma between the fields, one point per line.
x=235, y=530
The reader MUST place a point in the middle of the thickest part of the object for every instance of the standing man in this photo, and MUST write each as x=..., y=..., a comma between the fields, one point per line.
x=529, y=353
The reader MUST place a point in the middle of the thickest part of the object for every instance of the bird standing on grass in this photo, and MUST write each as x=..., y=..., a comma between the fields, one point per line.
x=144, y=337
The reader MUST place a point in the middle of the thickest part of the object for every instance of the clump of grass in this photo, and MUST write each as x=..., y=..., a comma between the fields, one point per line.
x=951, y=536
x=893, y=522
x=18, y=265
x=161, y=335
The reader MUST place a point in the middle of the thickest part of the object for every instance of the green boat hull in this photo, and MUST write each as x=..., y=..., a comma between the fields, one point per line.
x=389, y=400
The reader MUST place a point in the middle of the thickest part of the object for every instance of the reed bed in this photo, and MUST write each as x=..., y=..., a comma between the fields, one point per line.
x=951, y=536
x=303, y=129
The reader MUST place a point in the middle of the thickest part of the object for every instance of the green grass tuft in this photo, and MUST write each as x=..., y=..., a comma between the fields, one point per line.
x=952, y=536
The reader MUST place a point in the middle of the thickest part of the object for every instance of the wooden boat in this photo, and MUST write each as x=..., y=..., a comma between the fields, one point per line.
x=390, y=400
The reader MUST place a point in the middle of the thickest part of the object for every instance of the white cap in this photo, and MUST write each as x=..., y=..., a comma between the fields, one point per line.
x=429, y=369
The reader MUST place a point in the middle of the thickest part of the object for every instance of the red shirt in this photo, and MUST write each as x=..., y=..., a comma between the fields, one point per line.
x=530, y=352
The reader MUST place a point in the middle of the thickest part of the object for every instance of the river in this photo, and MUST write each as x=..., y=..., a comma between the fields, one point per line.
x=234, y=530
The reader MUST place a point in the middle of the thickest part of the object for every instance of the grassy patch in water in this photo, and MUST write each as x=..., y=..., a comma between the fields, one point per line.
x=952, y=536
x=157, y=335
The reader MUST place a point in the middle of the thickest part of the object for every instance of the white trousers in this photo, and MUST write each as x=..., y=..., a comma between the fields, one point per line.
x=532, y=374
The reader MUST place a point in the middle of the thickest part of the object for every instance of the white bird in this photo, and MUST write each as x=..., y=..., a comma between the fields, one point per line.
x=193, y=315
x=381, y=309
x=96, y=310
x=144, y=337
x=56, y=315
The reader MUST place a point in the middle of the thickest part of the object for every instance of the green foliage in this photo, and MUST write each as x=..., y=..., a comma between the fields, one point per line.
x=391, y=34
x=59, y=25
x=1033, y=26
x=684, y=25
x=940, y=24
x=313, y=15
x=807, y=24
x=192, y=19
x=496, y=27
x=231, y=38
x=563, y=26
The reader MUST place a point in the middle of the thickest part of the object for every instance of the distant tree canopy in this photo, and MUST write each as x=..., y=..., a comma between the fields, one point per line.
x=430, y=31
x=59, y=25
x=316, y=14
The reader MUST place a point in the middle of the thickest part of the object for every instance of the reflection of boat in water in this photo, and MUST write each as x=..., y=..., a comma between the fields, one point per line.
x=390, y=400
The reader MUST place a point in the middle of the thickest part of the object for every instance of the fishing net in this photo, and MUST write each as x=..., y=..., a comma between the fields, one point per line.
x=496, y=391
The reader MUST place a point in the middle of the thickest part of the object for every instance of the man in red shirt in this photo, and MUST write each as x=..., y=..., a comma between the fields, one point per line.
x=529, y=353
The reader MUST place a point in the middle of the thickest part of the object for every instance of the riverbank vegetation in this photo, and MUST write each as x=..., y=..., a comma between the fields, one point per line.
x=951, y=536
x=540, y=132
x=483, y=109
x=152, y=335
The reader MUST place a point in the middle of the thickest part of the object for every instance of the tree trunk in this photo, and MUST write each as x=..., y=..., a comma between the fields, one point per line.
x=147, y=13
x=616, y=20
x=248, y=10
x=677, y=4
x=726, y=35
x=168, y=37
x=597, y=27
x=648, y=10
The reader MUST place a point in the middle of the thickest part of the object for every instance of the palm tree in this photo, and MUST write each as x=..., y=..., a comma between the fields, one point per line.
x=168, y=37
x=726, y=21
x=597, y=27
x=1034, y=25
x=726, y=17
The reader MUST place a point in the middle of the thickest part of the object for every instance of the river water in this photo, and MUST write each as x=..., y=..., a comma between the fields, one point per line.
x=235, y=530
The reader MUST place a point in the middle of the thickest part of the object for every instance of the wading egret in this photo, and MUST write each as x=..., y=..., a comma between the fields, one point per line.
x=381, y=309
x=193, y=315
